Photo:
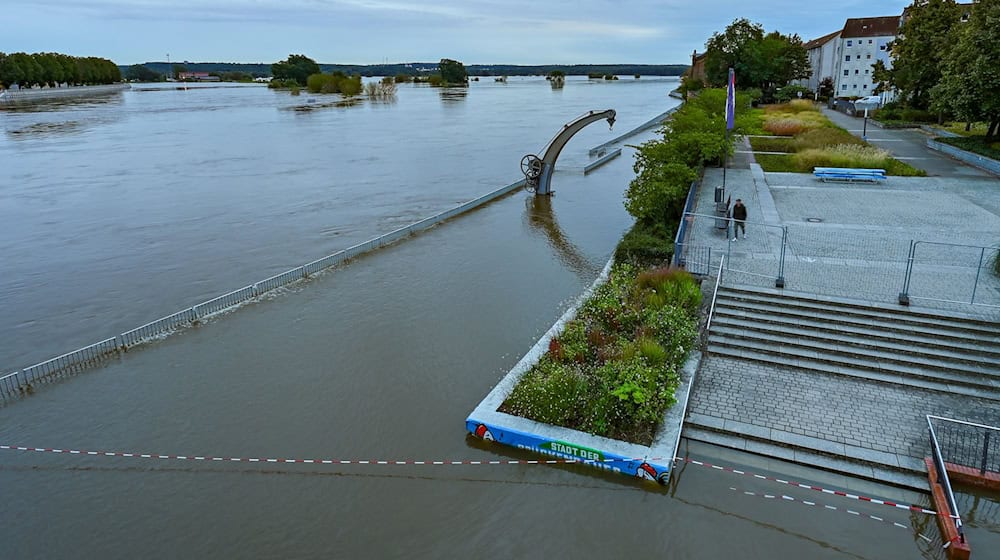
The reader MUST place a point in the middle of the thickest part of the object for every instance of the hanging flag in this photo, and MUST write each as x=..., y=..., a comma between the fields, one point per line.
x=731, y=101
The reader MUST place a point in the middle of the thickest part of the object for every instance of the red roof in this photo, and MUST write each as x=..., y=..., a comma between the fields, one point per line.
x=871, y=27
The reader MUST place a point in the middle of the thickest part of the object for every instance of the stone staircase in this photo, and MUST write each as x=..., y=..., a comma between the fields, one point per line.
x=922, y=348
x=828, y=336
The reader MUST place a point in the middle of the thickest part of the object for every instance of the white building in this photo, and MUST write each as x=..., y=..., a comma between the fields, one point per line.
x=863, y=41
x=824, y=53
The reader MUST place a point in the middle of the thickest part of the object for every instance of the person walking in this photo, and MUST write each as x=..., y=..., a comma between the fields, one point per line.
x=739, y=219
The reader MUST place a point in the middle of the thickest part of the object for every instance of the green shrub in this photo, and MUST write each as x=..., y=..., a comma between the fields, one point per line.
x=403, y=78
x=646, y=244
x=917, y=116
x=652, y=351
x=551, y=392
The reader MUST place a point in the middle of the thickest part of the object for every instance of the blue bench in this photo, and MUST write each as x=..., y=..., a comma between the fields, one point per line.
x=849, y=174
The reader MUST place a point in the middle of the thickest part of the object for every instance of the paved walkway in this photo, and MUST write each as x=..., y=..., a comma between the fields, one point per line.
x=909, y=145
x=852, y=241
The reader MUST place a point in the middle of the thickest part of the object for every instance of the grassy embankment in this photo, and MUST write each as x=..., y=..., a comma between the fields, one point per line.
x=972, y=140
x=808, y=139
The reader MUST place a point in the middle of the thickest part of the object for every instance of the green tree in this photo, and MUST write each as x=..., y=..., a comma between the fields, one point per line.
x=732, y=49
x=765, y=61
x=177, y=70
x=296, y=67
x=923, y=43
x=453, y=72
x=971, y=77
x=140, y=73
x=695, y=135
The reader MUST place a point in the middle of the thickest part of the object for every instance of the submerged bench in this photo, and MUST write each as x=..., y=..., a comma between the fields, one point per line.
x=849, y=174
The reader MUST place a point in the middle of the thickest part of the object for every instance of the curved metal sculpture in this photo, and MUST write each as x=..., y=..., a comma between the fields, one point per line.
x=538, y=170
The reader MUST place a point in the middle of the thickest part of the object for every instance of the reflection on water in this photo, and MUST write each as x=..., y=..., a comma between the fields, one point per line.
x=452, y=95
x=539, y=216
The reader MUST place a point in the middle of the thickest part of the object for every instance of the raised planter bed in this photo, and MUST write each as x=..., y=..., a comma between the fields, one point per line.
x=653, y=462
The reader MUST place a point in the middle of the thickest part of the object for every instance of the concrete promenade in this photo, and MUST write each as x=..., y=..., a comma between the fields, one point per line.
x=849, y=241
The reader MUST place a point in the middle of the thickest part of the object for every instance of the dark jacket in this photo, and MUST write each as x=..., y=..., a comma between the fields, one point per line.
x=740, y=212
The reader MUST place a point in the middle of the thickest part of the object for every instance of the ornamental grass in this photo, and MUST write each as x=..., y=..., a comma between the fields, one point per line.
x=843, y=155
x=614, y=369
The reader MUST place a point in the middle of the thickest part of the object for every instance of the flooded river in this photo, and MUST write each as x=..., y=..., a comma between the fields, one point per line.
x=154, y=200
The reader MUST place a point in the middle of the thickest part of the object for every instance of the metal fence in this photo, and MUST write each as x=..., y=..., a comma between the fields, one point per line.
x=946, y=272
x=18, y=383
x=970, y=445
x=872, y=265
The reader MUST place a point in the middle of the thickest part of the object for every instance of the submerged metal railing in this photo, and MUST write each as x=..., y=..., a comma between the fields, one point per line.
x=18, y=383
x=942, y=476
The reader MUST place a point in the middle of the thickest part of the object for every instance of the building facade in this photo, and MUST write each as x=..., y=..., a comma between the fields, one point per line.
x=863, y=42
x=823, y=56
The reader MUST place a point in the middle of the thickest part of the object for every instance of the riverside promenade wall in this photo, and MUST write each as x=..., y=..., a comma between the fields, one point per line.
x=45, y=94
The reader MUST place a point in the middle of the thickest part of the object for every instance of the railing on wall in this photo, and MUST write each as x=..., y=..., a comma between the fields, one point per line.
x=967, y=444
x=942, y=478
x=680, y=240
x=18, y=383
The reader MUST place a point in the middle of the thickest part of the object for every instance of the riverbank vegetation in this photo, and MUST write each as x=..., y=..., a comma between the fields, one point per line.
x=297, y=68
x=337, y=82
x=695, y=135
x=53, y=69
x=807, y=139
x=615, y=368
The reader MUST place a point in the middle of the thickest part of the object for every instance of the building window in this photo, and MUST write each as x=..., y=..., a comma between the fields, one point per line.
x=869, y=57
x=865, y=86
x=848, y=42
x=848, y=59
x=855, y=86
x=843, y=86
x=881, y=47
x=869, y=41
x=846, y=72
x=856, y=71
x=866, y=71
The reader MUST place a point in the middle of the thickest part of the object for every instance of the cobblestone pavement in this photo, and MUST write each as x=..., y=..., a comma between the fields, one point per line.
x=853, y=241
x=867, y=414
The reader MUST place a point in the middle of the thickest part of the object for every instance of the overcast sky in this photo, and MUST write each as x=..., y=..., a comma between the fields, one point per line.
x=374, y=31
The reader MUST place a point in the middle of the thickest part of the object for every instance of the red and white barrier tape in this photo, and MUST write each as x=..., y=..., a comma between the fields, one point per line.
x=446, y=462
x=306, y=461
x=825, y=506
x=810, y=487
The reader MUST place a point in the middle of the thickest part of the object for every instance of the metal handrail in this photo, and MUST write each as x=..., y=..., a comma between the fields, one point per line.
x=715, y=294
x=943, y=480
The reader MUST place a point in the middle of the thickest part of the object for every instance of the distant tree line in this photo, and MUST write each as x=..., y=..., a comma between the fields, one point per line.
x=51, y=69
x=414, y=69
